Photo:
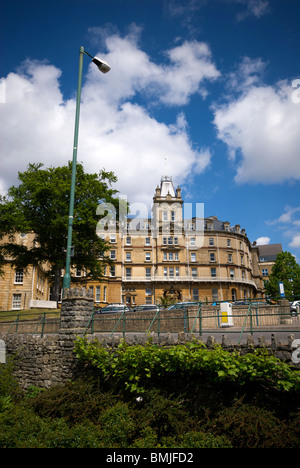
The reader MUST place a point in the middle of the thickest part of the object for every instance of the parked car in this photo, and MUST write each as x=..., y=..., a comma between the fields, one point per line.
x=294, y=307
x=145, y=307
x=113, y=308
x=182, y=305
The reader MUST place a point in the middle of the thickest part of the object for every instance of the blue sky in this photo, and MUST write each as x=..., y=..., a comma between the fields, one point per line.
x=205, y=90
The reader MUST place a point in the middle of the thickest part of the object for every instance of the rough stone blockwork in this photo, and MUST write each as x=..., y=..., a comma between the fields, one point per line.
x=49, y=361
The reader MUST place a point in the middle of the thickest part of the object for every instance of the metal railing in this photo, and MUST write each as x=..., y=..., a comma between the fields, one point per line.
x=32, y=323
x=201, y=319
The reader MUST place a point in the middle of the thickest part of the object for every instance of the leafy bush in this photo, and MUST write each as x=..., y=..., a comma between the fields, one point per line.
x=165, y=414
x=76, y=402
x=136, y=366
x=117, y=425
x=8, y=383
x=146, y=439
x=188, y=399
x=5, y=403
x=247, y=426
x=157, y=421
x=22, y=428
x=197, y=440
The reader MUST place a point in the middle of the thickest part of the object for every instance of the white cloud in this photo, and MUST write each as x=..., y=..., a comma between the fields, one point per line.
x=256, y=8
x=264, y=240
x=178, y=8
x=295, y=242
x=172, y=82
x=290, y=224
x=246, y=74
x=191, y=64
x=117, y=131
x=261, y=126
x=287, y=217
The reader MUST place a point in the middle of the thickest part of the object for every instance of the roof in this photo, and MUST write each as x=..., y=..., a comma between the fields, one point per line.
x=166, y=186
x=269, y=252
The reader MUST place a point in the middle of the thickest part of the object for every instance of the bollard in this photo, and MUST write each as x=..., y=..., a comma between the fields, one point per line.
x=226, y=314
x=2, y=352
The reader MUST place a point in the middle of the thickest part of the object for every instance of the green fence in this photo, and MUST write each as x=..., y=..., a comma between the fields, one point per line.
x=202, y=318
x=28, y=322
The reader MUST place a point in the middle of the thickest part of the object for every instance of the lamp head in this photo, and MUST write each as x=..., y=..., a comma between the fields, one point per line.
x=103, y=66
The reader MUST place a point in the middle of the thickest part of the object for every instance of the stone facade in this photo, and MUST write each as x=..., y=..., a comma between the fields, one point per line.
x=196, y=259
x=164, y=255
x=19, y=287
x=50, y=360
x=77, y=307
x=267, y=255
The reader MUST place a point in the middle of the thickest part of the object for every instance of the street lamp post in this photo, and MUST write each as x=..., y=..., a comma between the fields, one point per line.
x=104, y=68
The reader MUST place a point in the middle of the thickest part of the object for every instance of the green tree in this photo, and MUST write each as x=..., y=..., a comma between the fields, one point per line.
x=286, y=270
x=165, y=301
x=40, y=205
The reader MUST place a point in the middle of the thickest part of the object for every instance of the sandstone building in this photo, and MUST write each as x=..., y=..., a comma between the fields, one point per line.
x=19, y=289
x=189, y=259
x=267, y=255
x=168, y=254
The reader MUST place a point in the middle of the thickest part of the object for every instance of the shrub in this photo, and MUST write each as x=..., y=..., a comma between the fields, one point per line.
x=22, y=428
x=19, y=428
x=248, y=426
x=75, y=401
x=117, y=425
x=146, y=439
x=5, y=403
x=197, y=440
x=8, y=383
x=164, y=414
x=137, y=366
x=84, y=435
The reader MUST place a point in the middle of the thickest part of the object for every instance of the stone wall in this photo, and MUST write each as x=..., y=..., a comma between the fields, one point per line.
x=50, y=360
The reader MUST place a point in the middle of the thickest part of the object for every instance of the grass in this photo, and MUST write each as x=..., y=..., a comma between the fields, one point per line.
x=29, y=314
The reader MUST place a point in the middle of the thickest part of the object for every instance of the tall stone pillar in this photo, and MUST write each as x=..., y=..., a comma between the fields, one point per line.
x=284, y=310
x=76, y=309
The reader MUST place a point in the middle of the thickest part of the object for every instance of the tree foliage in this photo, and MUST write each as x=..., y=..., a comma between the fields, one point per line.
x=40, y=205
x=287, y=271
